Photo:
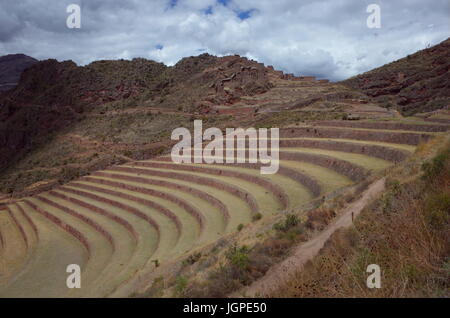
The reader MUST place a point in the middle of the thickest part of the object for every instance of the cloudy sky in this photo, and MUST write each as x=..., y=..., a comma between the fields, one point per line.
x=325, y=38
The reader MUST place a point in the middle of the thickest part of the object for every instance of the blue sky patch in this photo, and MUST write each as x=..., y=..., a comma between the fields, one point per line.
x=244, y=15
x=224, y=2
x=173, y=3
x=208, y=10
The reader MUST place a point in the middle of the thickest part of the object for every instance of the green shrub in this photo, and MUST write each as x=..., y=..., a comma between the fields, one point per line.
x=69, y=173
x=437, y=210
x=180, y=285
x=433, y=168
x=238, y=256
x=257, y=217
x=240, y=227
x=154, y=291
x=192, y=259
x=291, y=221
x=127, y=153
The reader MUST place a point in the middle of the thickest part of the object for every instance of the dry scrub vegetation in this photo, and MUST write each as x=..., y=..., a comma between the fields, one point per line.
x=234, y=262
x=406, y=232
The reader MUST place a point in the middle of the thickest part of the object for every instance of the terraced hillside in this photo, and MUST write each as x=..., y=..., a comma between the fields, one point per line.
x=121, y=223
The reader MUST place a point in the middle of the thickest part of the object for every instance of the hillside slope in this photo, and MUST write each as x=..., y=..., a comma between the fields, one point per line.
x=419, y=82
x=52, y=95
x=405, y=232
x=88, y=178
x=63, y=120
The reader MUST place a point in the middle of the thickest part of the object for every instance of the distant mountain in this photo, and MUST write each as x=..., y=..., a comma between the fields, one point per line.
x=419, y=82
x=11, y=68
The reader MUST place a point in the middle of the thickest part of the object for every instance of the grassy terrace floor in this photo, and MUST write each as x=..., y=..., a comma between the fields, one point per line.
x=409, y=148
x=239, y=210
x=118, y=223
x=45, y=271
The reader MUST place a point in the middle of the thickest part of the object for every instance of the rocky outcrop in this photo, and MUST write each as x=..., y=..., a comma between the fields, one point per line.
x=233, y=77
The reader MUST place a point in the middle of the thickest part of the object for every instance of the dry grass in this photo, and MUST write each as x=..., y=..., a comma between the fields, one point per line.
x=367, y=162
x=56, y=249
x=406, y=233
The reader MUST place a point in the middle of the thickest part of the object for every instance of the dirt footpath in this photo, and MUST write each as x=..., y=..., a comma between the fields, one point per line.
x=283, y=271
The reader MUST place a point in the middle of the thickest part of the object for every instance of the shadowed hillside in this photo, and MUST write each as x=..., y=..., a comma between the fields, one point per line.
x=52, y=95
x=11, y=68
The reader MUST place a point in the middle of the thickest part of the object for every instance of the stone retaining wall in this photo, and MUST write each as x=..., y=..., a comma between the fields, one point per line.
x=384, y=125
x=195, y=213
x=19, y=227
x=386, y=153
x=383, y=136
x=83, y=218
x=274, y=188
x=66, y=227
x=352, y=171
x=297, y=176
x=245, y=196
x=95, y=209
x=29, y=220
x=202, y=195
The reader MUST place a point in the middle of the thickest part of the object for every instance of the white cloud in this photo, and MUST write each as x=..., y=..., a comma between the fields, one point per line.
x=327, y=38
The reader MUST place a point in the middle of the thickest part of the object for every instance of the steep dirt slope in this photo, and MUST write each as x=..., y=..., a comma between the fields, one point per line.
x=405, y=232
x=283, y=272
